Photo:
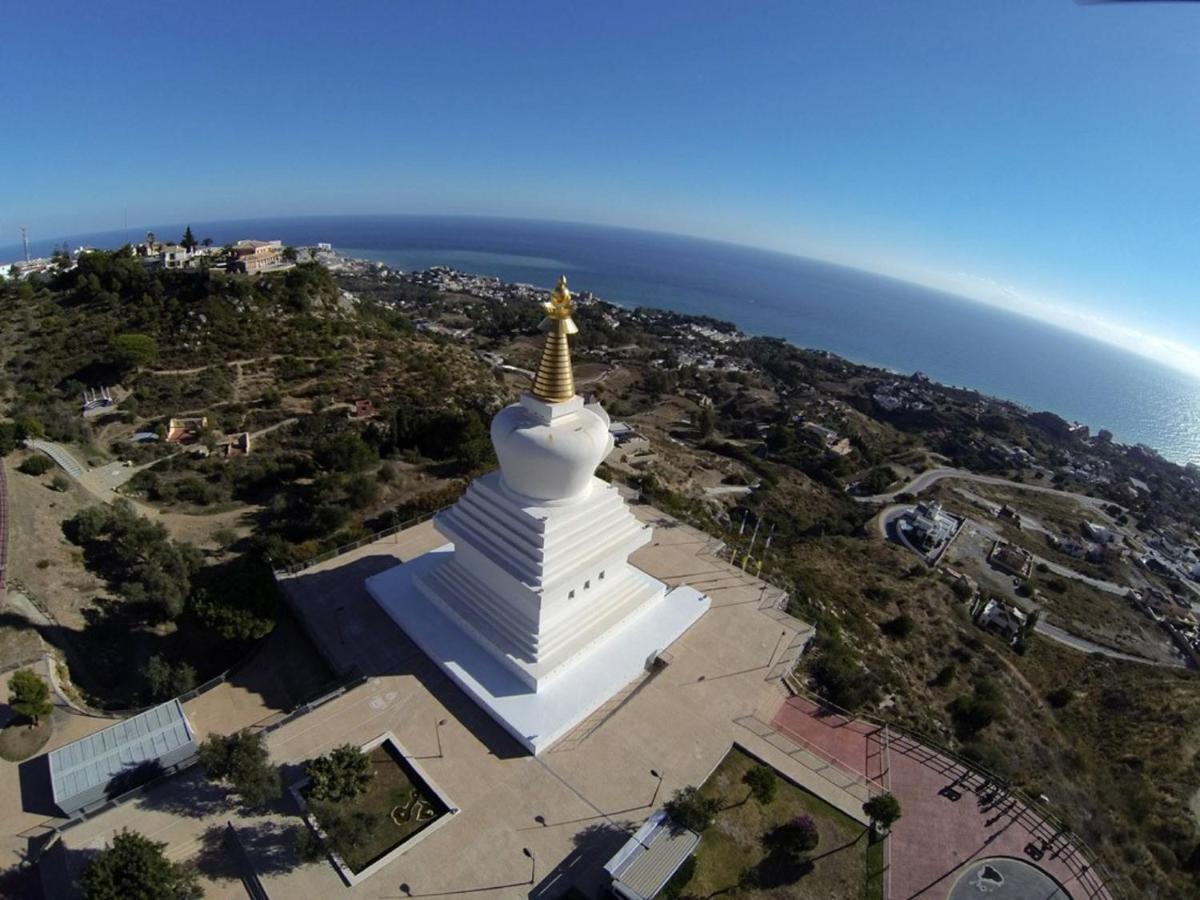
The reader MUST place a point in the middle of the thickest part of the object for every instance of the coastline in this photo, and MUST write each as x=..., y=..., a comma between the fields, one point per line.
x=737, y=334
x=867, y=319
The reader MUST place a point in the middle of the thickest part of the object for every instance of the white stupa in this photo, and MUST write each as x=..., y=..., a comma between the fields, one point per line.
x=534, y=608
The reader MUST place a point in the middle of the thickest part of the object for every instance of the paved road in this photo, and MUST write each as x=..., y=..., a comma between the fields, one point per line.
x=1067, y=639
x=927, y=479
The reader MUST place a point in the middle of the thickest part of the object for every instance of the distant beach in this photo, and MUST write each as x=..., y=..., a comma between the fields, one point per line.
x=866, y=318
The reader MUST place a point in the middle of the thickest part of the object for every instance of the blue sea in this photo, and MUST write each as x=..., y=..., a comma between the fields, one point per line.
x=864, y=317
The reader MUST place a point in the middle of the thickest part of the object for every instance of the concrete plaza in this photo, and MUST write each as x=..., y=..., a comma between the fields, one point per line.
x=572, y=807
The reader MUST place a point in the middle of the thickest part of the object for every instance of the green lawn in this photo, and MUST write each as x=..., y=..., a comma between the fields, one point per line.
x=387, y=807
x=734, y=843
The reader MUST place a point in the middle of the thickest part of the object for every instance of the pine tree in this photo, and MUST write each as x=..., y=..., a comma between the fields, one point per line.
x=29, y=695
x=188, y=241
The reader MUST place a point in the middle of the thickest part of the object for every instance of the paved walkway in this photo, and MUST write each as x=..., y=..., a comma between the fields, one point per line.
x=950, y=814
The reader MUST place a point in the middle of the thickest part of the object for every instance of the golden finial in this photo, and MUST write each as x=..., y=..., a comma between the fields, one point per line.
x=554, y=381
x=559, y=305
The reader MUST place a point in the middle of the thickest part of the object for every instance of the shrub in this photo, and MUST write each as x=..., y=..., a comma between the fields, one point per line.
x=146, y=566
x=165, y=681
x=692, y=810
x=975, y=712
x=129, y=351
x=346, y=829
x=224, y=538
x=60, y=483
x=899, y=627
x=883, y=811
x=308, y=846
x=945, y=675
x=240, y=760
x=1060, y=697
x=839, y=678
x=763, y=783
x=36, y=465
x=799, y=836
x=344, y=452
x=341, y=774
x=29, y=695
x=237, y=599
x=8, y=437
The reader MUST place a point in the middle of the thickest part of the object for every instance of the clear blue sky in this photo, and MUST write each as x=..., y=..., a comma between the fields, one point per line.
x=1037, y=153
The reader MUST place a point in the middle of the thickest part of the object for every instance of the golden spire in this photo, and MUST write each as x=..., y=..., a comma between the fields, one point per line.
x=554, y=381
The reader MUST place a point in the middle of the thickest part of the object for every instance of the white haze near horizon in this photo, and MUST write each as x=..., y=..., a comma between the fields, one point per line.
x=980, y=289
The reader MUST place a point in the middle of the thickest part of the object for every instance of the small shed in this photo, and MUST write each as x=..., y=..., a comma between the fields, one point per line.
x=644, y=865
x=119, y=758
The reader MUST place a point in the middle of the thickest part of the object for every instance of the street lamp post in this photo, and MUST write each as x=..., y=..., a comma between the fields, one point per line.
x=437, y=731
x=532, y=863
x=775, y=652
x=657, y=785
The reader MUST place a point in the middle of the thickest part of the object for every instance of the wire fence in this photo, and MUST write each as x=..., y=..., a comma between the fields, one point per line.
x=293, y=568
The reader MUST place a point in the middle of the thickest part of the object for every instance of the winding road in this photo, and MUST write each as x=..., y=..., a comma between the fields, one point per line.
x=933, y=476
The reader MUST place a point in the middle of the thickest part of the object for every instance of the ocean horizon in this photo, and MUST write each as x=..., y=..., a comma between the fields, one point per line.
x=867, y=318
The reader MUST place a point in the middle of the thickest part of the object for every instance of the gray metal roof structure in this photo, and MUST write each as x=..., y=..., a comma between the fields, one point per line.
x=646, y=863
x=82, y=771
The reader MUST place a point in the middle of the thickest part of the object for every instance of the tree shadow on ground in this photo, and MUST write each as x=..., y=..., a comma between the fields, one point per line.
x=190, y=795
x=106, y=656
x=268, y=845
x=782, y=865
x=7, y=714
x=591, y=846
x=778, y=869
x=132, y=777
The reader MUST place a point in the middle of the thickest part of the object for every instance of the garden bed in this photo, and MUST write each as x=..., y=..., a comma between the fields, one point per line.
x=734, y=843
x=403, y=804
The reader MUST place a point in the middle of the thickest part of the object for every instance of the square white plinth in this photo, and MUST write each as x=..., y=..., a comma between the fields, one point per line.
x=538, y=719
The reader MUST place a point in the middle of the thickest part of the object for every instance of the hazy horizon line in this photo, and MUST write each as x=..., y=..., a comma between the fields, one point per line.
x=962, y=286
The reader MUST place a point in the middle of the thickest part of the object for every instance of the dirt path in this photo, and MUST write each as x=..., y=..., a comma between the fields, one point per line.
x=236, y=363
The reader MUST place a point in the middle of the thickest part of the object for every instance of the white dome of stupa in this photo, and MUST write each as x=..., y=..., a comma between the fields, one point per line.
x=550, y=444
x=549, y=452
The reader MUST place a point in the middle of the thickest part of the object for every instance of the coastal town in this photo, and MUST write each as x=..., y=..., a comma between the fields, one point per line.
x=952, y=577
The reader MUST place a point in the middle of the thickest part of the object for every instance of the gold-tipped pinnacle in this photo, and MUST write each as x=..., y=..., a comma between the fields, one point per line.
x=554, y=381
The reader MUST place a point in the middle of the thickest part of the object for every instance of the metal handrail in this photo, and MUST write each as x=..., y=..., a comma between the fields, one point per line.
x=354, y=545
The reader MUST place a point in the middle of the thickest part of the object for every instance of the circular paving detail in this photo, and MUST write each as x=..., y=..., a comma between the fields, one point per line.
x=1005, y=878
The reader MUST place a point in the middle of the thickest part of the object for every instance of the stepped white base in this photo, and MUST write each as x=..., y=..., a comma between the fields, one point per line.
x=535, y=718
